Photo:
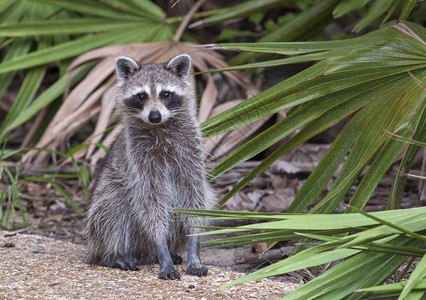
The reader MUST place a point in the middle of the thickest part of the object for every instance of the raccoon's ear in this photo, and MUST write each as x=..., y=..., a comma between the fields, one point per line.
x=124, y=67
x=180, y=65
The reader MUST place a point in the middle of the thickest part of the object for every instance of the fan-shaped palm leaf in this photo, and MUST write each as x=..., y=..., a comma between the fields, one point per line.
x=379, y=76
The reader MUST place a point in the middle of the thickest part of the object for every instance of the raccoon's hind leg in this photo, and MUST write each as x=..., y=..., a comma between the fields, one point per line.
x=177, y=259
x=109, y=240
x=124, y=262
x=113, y=259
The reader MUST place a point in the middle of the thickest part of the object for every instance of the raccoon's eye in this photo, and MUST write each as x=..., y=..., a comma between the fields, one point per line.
x=165, y=94
x=137, y=101
x=142, y=96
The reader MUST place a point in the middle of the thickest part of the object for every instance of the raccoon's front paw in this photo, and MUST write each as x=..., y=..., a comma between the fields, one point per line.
x=125, y=263
x=197, y=270
x=169, y=273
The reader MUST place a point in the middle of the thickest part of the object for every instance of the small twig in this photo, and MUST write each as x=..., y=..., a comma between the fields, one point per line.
x=53, y=170
x=33, y=128
x=307, y=272
x=186, y=20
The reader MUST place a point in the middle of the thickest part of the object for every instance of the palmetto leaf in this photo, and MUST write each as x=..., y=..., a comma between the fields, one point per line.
x=67, y=26
x=82, y=44
x=397, y=189
x=244, y=9
x=298, y=222
x=369, y=54
x=305, y=25
x=372, y=249
x=418, y=275
x=376, y=75
x=393, y=290
x=110, y=9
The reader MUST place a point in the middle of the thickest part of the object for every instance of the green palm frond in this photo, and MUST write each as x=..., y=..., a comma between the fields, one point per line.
x=372, y=247
x=379, y=77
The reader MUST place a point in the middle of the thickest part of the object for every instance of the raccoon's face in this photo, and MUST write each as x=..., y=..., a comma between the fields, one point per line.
x=153, y=93
x=154, y=103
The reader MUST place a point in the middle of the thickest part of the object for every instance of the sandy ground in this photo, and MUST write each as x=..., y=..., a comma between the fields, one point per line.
x=37, y=267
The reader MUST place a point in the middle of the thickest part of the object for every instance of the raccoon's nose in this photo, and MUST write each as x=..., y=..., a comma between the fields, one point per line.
x=154, y=117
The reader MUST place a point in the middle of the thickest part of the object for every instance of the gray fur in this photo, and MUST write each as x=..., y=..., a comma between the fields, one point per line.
x=124, y=67
x=150, y=169
x=180, y=65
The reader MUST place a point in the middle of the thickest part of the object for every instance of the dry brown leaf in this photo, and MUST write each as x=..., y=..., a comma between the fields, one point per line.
x=255, y=196
x=260, y=247
x=210, y=93
x=103, y=119
x=30, y=134
x=282, y=166
x=208, y=100
x=278, y=182
x=90, y=102
x=37, y=189
x=56, y=218
x=219, y=63
x=107, y=141
x=212, y=142
x=241, y=202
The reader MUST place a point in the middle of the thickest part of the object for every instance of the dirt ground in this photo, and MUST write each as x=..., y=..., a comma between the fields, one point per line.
x=37, y=267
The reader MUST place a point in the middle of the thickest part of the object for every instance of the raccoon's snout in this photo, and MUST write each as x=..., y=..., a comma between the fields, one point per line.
x=154, y=117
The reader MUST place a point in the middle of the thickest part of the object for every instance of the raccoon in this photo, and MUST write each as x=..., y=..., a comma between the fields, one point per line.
x=156, y=164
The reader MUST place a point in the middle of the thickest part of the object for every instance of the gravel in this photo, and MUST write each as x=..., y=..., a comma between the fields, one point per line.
x=37, y=267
